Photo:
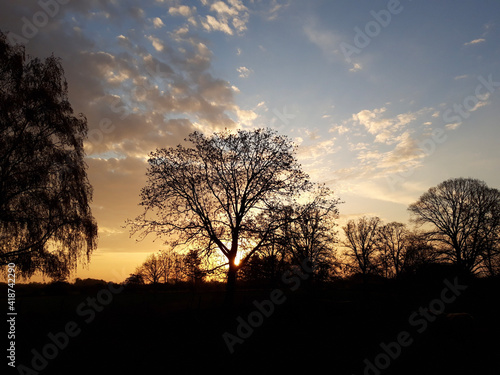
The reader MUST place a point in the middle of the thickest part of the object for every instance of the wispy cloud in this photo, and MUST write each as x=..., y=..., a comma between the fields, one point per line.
x=383, y=128
x=326, y=40
x=329, y=42
x=475, y=41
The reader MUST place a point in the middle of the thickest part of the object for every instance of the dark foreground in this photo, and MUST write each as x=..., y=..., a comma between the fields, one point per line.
x=338, y=329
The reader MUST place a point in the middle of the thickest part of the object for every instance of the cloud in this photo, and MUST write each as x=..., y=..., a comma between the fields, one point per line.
x=326, y=40
x=275, y=8
x=157, y=43
x=475, y=41
x=244, y=71
x=228, y=17
x=355, y=67
x=182, y=10
x=483, y=102
x=157, y=22
x=383, y=128
x=315, y=152
x=223, y=9
x=245, y=117
x=138, y=91
x=380, y=145
x=329, y=42
x=453, y=126
x=340, y=129
x=212, y=24
x=358, y=146
x=372, y=120
x=405, y=155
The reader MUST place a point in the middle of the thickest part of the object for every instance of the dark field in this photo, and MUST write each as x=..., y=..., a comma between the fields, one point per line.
x=331, y=329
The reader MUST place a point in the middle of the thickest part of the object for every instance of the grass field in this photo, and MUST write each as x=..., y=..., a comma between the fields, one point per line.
x=337, y=329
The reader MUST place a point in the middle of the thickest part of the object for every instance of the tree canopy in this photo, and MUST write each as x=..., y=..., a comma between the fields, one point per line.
x=361, y=240
x=465, y=216
x=46, y=222
x=220, y=192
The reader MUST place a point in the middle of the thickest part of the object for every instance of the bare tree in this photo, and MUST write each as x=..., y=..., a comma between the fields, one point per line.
x=192, y=267
x=172, y=265
x=46, y=222
x=465, y=215
x=393, y=243
x=419, y=250
x=269, y=263
x=210, y=194
x=491, y=261
x=152, y=270
x=308, y=231
x=362, y=236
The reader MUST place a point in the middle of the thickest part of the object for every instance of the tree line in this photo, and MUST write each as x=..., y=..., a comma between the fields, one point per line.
x=455, y=223
x=367, y=246
x=244, y=195
x=170, y=267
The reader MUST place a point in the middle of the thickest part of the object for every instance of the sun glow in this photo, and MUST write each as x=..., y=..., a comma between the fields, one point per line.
x=237, y=260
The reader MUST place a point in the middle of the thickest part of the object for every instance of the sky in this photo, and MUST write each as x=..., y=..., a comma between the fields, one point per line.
x=384, y=98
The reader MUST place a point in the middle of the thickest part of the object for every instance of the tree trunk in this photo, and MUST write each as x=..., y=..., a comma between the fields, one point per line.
x=231, y=282
x=233, y=269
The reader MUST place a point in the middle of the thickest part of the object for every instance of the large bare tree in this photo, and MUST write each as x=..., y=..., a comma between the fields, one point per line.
x=46, y=222
x=212, y=193
x=465, y=216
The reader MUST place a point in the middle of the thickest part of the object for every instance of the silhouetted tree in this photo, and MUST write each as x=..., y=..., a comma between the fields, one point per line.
x=171, y=265
x=135, y=278
x=45, y=219
x=192, y=267
x=362, y=237
x=419, y=251
x=152, y=270
x=210, y=194
x=264, y=267
x=393, y=243
x=465, y=215
x=308, y=233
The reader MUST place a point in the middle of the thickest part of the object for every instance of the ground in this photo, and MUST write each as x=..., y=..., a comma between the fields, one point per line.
x=337, y=329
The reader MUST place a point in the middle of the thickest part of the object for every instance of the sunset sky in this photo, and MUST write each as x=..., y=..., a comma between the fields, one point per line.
x=385, y=98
